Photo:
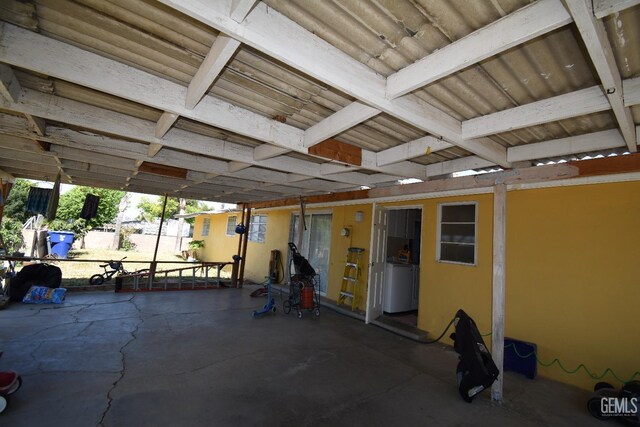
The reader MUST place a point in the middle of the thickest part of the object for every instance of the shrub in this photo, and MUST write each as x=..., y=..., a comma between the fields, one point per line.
x=125, y=238
x=12, y=235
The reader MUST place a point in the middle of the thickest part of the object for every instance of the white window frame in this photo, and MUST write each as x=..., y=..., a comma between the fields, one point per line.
x=475, y=237
x=235, y=223
x=251, y=225
x=206, y=226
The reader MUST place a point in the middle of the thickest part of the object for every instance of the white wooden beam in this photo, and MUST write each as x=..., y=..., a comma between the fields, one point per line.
x=631, y=90
x=9, y=84
x=165, y=122
x=338, y=122
x=560, y=107
x=240, y=9
x=602, y=8
x=279, y=37
x=415, y=148
x=26, y=49
x=237, y=166
x=223, y=48
x=38, y=124
x=330, y=168
x=267, y=151
x=457, y=165
x=595, y=39
x=525, y=24
x=293, y=177
x=604, y=140
x=499, y=285
x=154, y=149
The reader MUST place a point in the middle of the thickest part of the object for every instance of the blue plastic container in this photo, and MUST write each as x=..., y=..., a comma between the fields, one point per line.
x=61, y=242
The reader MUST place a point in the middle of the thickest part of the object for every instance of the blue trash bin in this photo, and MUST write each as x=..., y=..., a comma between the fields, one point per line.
x=61, y=242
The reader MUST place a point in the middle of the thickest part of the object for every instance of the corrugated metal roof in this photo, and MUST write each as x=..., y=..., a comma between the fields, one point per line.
x=385, y=35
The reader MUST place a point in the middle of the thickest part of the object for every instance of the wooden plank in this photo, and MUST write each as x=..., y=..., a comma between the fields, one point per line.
x=240, y=9
x=38, y=124
x=165, y=122
x=457, y=165
x=608, y=165
x=522, y=25
x=164, y=170
x=274, y=34
x=572, y=145
x=223, y=48
x=237, y=166
x=597, y=42
x=582, y=102
x=267, y=151
x=333, y=149
x=416, y=148
x=602, y=8
x=631, y=90
x=338, y=122
x=9, y=84
x=499, y=285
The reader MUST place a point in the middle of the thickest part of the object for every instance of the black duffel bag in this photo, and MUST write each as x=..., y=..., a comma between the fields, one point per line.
x=34, y=275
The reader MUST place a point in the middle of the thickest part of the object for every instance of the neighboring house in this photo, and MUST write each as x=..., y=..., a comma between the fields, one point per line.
x=571, y=252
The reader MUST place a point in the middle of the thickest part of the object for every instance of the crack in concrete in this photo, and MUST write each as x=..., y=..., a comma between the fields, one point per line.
x=124, y=365
x=217, y=362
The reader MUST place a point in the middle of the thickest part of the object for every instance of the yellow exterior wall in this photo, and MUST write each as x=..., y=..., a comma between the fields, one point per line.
x=570, y=281
x=360, y=237
x=572, y=286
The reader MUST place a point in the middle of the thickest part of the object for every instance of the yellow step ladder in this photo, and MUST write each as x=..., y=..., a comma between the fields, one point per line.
x=350, y=288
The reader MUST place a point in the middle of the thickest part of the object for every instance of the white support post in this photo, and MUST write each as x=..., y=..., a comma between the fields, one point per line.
x=497, y=329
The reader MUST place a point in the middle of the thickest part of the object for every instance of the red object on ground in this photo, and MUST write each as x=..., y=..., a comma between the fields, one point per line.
x=307, y=297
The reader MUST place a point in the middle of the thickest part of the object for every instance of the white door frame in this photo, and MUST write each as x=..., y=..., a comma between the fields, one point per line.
x=377, y=259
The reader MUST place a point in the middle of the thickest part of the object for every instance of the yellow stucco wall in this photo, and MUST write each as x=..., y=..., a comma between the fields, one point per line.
x=572, y=285
x=570, y=281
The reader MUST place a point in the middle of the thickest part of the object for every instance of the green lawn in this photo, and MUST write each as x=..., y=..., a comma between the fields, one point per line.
x=78, y=273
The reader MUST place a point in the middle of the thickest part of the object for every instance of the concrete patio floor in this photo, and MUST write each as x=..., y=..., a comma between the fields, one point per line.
x=198, y=358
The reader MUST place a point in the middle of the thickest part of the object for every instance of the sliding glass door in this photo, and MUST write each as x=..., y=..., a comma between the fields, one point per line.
x=316, y=241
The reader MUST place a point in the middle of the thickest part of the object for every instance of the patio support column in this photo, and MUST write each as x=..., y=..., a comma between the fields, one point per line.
x=245, y=238
x=152, y=270
x=236, y=263
x=499, y=256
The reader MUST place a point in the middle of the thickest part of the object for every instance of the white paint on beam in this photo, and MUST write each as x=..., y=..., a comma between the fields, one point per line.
x=602, y=8
x=499, y=285
x=165, y=122
x=410, y=150
x=586, y=101
x=237, y=166
x=525, y=24
x=279, y=37
x=457, y=165
x=9, y=84
x=595, y=39
x=240, y=9
x=604, y=140
x=38, y=53
x=338, y=122
x=631, y=91
x=223, y=48
x=267, y=151
x=154, y=149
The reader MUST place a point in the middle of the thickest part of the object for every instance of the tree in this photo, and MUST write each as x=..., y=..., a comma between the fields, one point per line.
x=151, y=209
x=14, y=206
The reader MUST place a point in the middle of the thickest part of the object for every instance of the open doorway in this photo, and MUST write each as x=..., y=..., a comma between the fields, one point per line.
x=397, y=284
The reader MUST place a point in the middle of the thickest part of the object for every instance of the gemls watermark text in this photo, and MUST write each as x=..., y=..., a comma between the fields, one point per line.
x=619, y=406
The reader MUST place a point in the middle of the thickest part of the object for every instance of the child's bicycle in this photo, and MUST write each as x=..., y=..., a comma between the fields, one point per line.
x=116, y=267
